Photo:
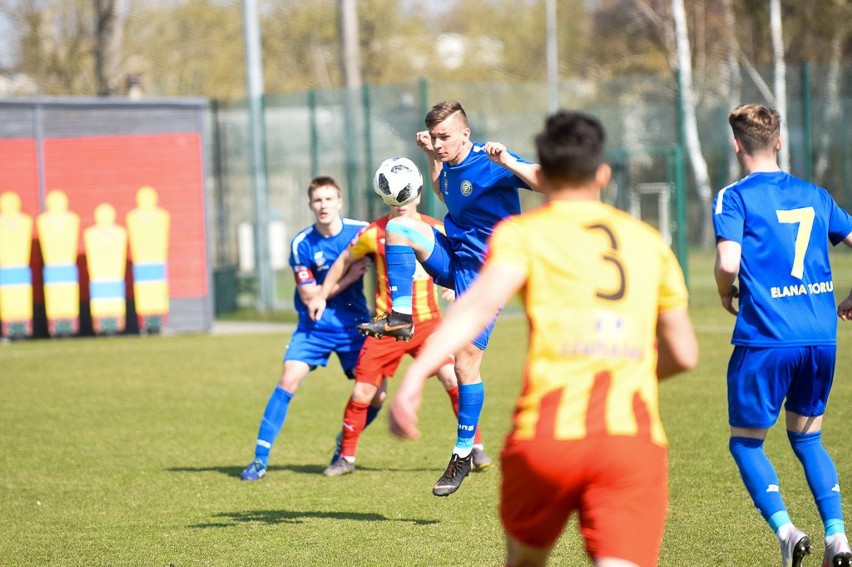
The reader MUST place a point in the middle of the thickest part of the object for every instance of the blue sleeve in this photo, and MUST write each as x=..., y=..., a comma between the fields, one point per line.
x=839, y=222
x=504, y=178
x=728, y=215
x=300, y=260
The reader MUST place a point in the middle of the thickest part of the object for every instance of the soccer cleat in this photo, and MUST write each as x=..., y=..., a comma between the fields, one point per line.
x=338, y=446
x=339, y=467
x=481, y=460
x=452, y=478
x=837, y=552
x=391, y=324
x=255, y=471
x=794, y=548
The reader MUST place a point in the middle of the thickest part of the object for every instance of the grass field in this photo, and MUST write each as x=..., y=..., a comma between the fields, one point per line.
x=126, y=451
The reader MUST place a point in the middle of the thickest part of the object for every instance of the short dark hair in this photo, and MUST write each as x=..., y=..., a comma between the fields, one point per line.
x=755, y=126
x=571, y=146
x=321, y=181
x=444, y=110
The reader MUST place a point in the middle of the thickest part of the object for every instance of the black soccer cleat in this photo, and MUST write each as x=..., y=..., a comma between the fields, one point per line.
x=794, y=548
x=390, y=324
x=452, y=478
x=843, y=559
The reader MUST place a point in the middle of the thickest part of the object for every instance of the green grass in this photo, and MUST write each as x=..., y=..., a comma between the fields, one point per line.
x=126, y=451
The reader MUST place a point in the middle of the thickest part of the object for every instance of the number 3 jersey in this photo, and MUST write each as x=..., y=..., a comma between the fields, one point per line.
x=596, y=281
x=784, y=225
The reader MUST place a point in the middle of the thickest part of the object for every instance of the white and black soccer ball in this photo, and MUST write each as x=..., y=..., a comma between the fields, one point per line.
x=398, y=181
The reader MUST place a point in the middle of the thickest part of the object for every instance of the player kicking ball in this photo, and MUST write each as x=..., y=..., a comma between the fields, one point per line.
x=380, y=357
x=479, y=184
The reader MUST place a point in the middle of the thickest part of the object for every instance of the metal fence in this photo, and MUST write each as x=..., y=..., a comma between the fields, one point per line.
x=346, y=135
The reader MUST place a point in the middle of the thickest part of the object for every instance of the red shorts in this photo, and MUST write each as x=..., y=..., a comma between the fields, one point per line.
x=379, y=358
x=618, y=485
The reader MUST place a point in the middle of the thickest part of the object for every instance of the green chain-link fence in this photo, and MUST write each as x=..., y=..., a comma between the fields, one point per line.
x=347, y=134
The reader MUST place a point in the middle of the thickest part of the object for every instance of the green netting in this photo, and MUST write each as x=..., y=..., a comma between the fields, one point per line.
x=346, y=134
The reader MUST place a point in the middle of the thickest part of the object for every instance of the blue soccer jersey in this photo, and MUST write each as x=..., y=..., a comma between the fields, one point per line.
x=784, y=225
x=478, y=194
x=311, y=255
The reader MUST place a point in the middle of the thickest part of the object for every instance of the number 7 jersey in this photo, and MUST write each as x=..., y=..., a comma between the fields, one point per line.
x=596, y=281
x=786, y=227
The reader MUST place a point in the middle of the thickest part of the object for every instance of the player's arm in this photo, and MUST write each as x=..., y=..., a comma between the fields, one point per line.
x=424, y=140
x=527, y=172
x=470, y=313
x=844, y=310
x=342, y=273
x=677, y=347
x=726, y=270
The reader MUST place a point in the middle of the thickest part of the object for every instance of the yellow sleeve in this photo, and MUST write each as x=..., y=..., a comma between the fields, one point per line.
x=673, y=292
x=509, y=244
x=365, y=243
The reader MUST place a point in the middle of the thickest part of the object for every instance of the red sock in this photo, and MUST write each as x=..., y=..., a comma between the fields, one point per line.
x=453, y=393
x=354, y=421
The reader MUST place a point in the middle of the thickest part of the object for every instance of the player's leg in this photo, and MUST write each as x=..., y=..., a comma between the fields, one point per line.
x=622, y=506
x=446, y=374
x=806, y=403
x=536, y=501
x=406, y=241
x=758, y=379
x=274, y=414
x=519, y=554
x=363, y=360
x=471, y=400
x=354, y=422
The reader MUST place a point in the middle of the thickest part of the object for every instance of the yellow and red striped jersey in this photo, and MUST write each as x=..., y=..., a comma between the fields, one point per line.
x=424, y=297
x=596, y=280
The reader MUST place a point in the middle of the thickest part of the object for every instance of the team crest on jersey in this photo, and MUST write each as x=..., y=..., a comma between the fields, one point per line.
x=466, y=188
x=319, y=259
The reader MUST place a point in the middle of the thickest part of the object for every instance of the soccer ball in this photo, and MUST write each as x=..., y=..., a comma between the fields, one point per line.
x=398, y=181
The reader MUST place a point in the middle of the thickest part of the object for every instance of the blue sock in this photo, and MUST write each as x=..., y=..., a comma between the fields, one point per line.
x=372, y=412
x=822, y=478
x=273, y=420
x=401, y=265
x=471, y=399
x=760, y=479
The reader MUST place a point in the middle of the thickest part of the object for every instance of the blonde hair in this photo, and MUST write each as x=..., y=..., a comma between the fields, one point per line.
x=756, y=127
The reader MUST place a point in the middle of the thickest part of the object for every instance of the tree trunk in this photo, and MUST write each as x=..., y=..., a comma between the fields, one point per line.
x=693, y=142
x=780, y=80
x=733, y=78
x=108, y=28
x=833, y=110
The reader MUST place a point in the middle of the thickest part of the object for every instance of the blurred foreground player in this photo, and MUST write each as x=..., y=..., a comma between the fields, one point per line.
x=479, y=184
x=608, y=317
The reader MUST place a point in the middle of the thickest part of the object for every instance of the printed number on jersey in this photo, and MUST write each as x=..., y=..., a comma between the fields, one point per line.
x=804, y=217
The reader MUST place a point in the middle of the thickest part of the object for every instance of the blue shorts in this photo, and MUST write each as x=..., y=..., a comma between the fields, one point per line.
x=760, y=378
x=314, y=347
x=452, y=271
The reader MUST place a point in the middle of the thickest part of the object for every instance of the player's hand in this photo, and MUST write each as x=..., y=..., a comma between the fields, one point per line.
x=358, y=268
x=424, y=141
x=498, y=153
x=404, y=408
x=844, y=310
x=316, y=306
x=448, y=294
x=728, y=300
